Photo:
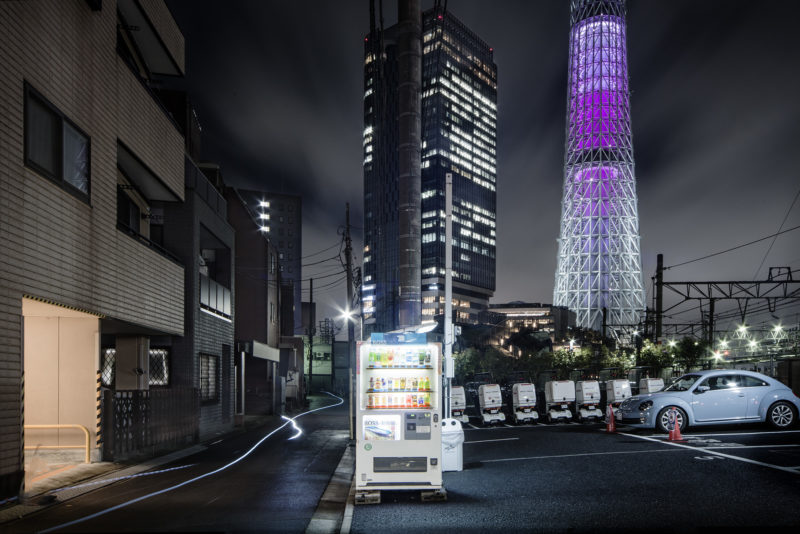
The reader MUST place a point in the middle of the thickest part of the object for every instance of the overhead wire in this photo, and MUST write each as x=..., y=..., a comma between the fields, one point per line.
x=734, y=248
x=320, y=251
x=320, y=261
x=776, y=235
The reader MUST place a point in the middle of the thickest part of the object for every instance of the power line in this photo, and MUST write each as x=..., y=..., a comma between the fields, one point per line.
x=321, y=251
x=734, y=248
x=320, y=261
x=328, y=285
x=776, y=235
x=320, y=277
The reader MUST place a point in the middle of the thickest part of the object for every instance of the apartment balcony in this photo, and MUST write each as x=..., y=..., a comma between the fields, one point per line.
x=214, y=297
x=156, y=35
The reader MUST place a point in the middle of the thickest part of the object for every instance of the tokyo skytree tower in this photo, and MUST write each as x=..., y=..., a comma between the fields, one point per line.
x=599, y=260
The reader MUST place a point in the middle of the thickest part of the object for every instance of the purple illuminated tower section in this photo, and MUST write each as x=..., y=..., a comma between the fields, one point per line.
x=599, y=260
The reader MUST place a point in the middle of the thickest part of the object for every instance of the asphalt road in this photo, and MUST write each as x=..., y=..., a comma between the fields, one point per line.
x=275, y=488
x=579, y=478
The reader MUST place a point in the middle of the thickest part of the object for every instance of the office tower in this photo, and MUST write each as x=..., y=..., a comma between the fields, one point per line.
x=459, y=112
x=599, y=262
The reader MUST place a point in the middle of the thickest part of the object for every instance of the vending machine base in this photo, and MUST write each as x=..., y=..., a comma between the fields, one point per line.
x=433, y=495
x=374, y=496
x=368, y=497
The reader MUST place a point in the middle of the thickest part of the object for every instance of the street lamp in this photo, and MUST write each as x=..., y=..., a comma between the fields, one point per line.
x=741, y=332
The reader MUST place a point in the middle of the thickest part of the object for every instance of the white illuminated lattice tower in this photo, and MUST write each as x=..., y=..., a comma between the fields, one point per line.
x=599, y=260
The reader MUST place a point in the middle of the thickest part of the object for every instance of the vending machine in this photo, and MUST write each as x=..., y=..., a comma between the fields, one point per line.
x=398, y=419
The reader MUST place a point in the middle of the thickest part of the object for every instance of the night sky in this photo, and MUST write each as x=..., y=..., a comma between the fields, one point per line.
x=715, y=86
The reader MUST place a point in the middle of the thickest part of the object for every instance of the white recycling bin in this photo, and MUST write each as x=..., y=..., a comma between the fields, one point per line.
x=452, y=445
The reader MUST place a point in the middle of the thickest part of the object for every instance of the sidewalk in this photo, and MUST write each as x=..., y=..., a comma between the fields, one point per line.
x=73, y=479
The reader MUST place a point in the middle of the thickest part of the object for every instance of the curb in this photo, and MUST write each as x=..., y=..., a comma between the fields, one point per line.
x=331, y=513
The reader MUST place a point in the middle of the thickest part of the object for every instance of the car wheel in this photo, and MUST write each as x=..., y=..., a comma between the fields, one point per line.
x=781, y=415
x=662, y=421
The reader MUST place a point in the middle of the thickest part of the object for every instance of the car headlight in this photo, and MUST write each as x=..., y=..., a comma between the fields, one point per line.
x=646, y=405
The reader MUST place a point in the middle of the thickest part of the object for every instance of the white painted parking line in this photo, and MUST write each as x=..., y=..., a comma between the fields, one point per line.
x=716, y=453
x=490, y=440
x=575, y=455
x=773, y=432
x=737, y=446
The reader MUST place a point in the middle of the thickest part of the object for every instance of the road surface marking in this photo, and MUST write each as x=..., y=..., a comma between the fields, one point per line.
x=571, y=455
x=195, y=479
x=722, y=454
x=491, y=440
x=218, y=441
x=773, y=432
x=738, y=446
x=126, y=477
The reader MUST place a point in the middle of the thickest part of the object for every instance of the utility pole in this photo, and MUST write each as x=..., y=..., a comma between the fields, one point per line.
x=711, y=324
x=448, y=292
x=348, y=258
x=311, y=317
x=659, y=295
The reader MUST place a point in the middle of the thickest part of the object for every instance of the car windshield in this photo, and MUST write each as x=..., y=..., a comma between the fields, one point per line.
x=683, y=383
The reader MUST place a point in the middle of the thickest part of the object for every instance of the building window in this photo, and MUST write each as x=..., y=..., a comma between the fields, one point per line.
x=107, y=364
x=158, y=374
x=159, y=367
x=54, y=147
x=209, y=378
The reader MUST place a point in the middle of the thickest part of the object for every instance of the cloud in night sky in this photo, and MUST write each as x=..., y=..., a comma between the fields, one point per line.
x=278, y=88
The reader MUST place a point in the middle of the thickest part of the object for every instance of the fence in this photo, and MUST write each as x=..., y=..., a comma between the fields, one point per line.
x=143, y=422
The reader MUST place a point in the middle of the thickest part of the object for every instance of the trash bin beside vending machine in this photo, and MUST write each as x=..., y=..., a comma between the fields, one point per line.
x=452, y=445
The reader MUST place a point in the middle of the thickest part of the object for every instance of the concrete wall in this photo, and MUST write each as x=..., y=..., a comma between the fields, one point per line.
x=55, y=246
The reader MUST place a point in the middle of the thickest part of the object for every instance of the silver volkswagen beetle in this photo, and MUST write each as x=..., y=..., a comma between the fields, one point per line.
x=714, y=398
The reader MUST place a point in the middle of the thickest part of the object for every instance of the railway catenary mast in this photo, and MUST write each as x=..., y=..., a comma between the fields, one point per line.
x=599, y=259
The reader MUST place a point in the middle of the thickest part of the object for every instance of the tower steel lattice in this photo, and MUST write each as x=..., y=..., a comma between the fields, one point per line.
x=599, y=259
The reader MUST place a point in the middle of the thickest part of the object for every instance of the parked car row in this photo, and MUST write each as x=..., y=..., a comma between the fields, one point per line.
x=700, y=398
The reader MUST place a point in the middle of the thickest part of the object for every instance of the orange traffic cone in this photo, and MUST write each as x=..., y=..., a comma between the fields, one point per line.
x=675, y=431
x=610, y=423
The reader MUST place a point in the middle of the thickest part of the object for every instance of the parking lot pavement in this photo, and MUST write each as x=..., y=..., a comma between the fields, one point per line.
x=773, y=449
x=580, y=478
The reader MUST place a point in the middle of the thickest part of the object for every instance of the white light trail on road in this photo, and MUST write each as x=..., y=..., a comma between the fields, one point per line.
x=299, y=430
x=116, y=479
x=195, y=479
